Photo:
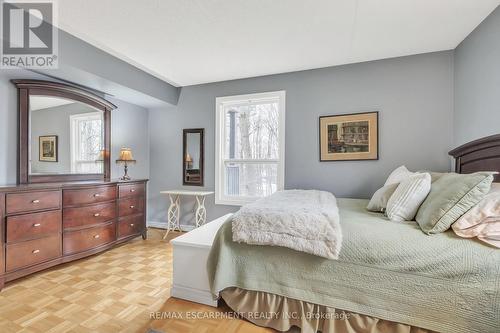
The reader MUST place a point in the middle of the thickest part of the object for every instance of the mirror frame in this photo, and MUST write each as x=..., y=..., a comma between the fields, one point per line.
x=26, y=88
x=185, y=132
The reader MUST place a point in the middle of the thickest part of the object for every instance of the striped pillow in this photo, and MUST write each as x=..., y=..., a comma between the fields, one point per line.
x=407, y=198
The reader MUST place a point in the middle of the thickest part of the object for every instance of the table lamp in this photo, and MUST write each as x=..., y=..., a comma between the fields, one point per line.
x=101, y=156
x=125, y=158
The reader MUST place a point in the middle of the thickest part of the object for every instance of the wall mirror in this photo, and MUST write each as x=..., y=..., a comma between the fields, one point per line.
x=193, y=156
x=64, y=133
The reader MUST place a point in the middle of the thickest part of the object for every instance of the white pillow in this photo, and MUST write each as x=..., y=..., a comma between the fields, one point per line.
x=398, y=175
x=407, y=198
x=378, y=202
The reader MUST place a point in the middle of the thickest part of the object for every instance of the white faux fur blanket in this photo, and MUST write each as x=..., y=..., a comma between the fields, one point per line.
x=301, y=220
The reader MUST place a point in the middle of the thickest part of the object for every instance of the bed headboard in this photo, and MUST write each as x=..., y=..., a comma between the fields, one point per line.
x=478, y=155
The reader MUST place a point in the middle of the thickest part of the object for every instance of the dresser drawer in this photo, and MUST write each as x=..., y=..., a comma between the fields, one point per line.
x=131, y=206
x=34, y=225
x=88, y=215
x=32, y=201
x=32, y=252
x=89, y=195
x=86, y=239
x=132, y=225
x=132, y=190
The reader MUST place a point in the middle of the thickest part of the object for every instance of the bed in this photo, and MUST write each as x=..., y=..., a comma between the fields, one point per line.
x=390, y=276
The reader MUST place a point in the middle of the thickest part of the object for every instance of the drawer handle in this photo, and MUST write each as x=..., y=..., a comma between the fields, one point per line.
x=132, y=190
x=132, y=207
x=96, y=236
x=36, y=201
x=131, y=224
x=35, y=251
x=36, y=224
x=97, y=195
x=97, y=215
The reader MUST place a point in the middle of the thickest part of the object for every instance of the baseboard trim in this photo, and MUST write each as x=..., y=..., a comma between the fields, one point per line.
x=154, y=224
x=163, y=225
x=193, y=295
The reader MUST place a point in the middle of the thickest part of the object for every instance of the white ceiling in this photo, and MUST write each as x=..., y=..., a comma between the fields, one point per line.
x=200, y=41
x=45, y=102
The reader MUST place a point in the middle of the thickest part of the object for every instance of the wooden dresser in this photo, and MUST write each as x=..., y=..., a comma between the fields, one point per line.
x=43, y=225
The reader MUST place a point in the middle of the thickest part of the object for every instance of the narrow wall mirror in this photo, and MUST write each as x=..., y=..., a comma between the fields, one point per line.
x=64, y=133
x=193, y=157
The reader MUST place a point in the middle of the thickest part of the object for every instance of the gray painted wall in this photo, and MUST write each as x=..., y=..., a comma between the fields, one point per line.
x=477, y=82
x=129, y=128
x=413, y=94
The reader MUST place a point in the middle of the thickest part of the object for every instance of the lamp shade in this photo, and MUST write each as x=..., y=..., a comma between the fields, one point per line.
x=189, y=159
x=125, y=155
x=103, y=153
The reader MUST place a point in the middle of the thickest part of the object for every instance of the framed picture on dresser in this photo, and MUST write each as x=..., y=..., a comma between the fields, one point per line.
x=348, y=137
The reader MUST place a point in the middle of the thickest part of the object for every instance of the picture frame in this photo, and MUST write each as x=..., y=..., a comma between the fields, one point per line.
x=48, y=148
x=349, y=137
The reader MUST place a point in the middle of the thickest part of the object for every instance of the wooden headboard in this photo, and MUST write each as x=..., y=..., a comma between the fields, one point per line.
x=478, y=155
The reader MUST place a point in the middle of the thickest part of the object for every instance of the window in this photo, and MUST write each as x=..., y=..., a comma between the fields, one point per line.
x=86, y=142
x=250, y=147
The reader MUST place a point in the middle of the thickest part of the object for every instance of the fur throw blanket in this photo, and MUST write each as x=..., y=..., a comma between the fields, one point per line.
x=301, y=220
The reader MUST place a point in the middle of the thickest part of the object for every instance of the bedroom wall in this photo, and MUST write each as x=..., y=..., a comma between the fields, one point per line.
x=129, y=129
x=477, y=82
x=413, y=94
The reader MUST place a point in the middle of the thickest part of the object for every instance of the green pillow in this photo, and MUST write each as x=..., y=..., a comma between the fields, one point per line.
x=434, y=175
x=451, y=196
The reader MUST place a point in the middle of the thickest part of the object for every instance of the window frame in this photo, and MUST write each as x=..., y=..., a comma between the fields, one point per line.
x=74, y=147
x=220, y=160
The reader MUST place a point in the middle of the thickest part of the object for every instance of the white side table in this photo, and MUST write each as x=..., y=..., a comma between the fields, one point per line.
x=173, y=216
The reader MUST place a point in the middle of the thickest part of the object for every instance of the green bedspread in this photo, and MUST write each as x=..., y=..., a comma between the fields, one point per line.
x=386, y=269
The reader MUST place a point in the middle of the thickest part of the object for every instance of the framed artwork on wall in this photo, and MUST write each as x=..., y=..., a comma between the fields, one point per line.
x=348, y=137
x=48, y=148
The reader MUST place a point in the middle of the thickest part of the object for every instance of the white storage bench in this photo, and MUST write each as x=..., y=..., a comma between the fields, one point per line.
x=190, y=253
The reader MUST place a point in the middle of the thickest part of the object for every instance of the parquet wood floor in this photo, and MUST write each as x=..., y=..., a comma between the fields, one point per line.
x=121, y=290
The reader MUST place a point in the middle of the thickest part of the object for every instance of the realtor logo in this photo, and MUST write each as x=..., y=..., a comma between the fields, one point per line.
x=29, y=38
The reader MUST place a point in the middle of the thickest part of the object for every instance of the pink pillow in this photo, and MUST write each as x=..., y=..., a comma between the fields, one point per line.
x=483, y=220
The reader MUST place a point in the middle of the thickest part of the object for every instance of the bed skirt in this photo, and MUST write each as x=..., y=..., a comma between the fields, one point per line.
x=289, y=315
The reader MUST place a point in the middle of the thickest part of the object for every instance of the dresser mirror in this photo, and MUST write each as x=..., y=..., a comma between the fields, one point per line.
x=64, y=133
x=193, y=157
